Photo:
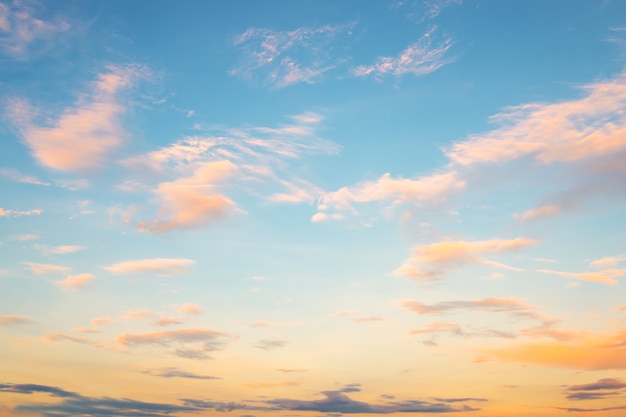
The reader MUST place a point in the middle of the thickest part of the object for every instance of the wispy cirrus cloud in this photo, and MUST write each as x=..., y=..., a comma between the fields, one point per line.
x=422, y=57
x=25, y=30
x=607, y=271
x=160, y=266
x=420, y=10
x=267, y=344
x=431, y=261
x=284, y=58
x=83, y=136
x=267, y=324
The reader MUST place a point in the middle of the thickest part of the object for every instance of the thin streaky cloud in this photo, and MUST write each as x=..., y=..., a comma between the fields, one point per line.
x=15, y=175
x=431, y=261
x=607, y=276
x=14, y=320
x=19, y=213
x=284, y=58
x=160, y=266
x=422, y=57
x=39, y=269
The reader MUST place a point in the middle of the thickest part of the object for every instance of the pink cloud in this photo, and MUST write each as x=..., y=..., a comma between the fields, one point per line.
x=189, y=309
x=14, y=320
x=161, y=266
x=39, y=269
x=84, y=135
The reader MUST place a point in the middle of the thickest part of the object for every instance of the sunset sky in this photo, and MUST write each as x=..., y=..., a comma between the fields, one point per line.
x=312, y=208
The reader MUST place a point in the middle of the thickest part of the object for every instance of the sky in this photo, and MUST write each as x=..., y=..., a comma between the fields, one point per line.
x=312, y=208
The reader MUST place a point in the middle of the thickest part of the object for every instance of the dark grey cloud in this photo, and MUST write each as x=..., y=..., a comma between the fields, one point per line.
x=591, y=410
x=171, y=372
x=602, y=388
x=74, y=404
x=459, y=400
x=337, y=401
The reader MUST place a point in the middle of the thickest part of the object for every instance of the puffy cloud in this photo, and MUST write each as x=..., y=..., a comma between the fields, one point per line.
x=420, y=58
x=284, y=58
x=160, y=266
x=74, y=282
x=177, y=373
x=14, y=320
x=189, y=309
x=431, y=261
x=85, y=134
x=39, y=269
x=191, y=202
x=205, y=167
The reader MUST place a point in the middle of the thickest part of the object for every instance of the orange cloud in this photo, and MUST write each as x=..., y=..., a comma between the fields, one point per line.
x=39, y=269
x=161, y=266
x=85, y=134
x=190, y=309
x=74, y=282
x=261, y=323
x=192, y=202
x=430, y=261
x=539, y=213
x=273, y=384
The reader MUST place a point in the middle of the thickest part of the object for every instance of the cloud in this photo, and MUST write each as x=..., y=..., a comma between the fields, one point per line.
x=497, y=305
x=177, y=373
x=603, y=277
x=603, y=388
x=39, y=269
x=421, y=10
x=189, y=309
x=191, y=202
x=169, y=321
x=23, y=32
x=440, y=327
x=342, y=313
x=261, y=323
x=289, y=370
x=14, y=320
x=284, y=58
x=74, y=404
x=64, y=249
x=27, y=237
x=271, y=344
x=74, y=282
x=593, y=352
x=191, y=343
x=273, y=384
x=539, y=213
x=420, y=58
x=16, y=176
x=336, y=401
x=60, y=337
x=19, y=213
x=138, y=314
x=431, y=261
x=160, y=266
x=425, y=191
x=84, y=135
x=251, y=159
x=368, y=319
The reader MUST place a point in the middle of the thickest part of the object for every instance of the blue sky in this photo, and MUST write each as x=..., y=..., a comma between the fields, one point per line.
x=312, y=208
